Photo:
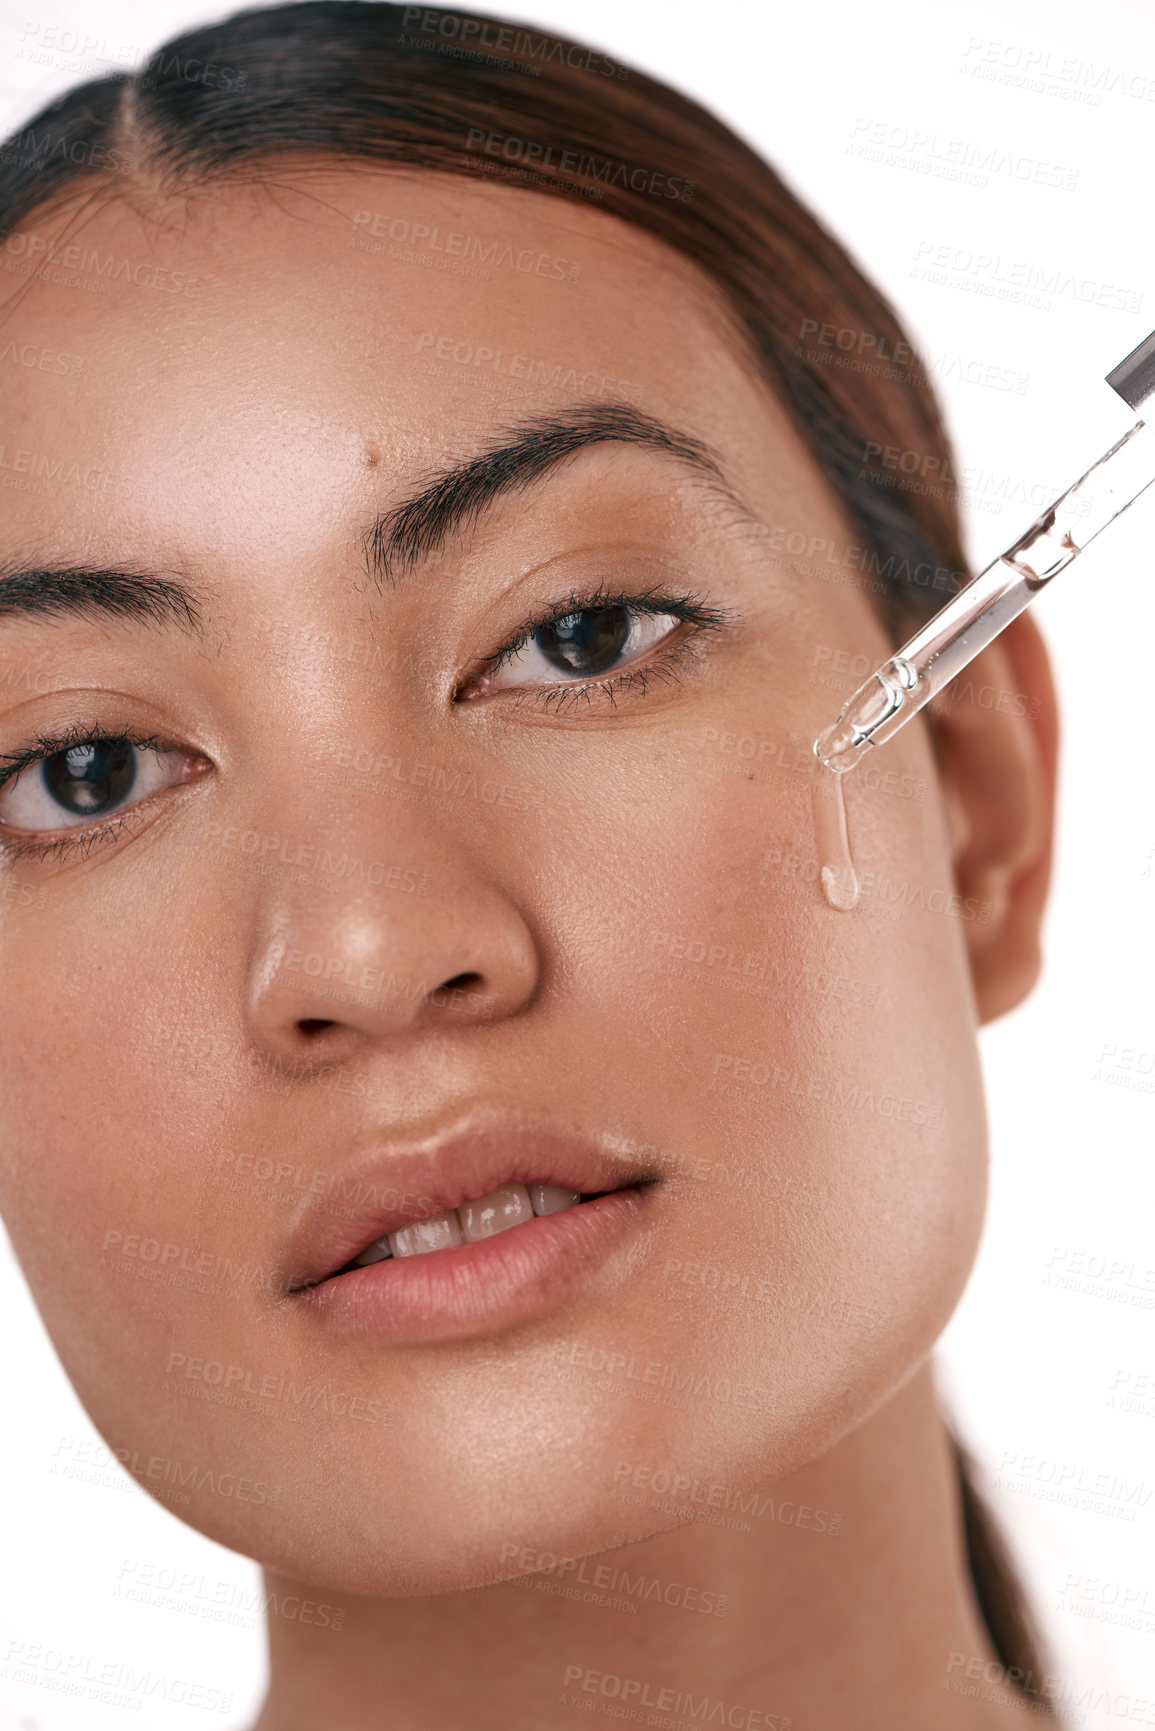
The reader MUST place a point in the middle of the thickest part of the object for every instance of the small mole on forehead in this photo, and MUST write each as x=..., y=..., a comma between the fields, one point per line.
x=372, y=457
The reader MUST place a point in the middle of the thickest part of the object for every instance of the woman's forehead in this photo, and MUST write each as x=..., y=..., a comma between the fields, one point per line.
x=266, y=337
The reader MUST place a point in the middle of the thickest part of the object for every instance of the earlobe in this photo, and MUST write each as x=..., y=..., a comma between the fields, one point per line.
x=996, y=730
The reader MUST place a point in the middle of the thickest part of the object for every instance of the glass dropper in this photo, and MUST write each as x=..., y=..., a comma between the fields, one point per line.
x=943, y=647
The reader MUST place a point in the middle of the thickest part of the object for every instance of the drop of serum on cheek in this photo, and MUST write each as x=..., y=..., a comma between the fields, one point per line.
x=836, y=867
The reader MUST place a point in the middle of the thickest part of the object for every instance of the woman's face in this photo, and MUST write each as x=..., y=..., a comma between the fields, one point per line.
x=374, y=916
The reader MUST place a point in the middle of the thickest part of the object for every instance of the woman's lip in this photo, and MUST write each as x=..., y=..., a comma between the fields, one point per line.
x=387, y=1190
x=494, y=1283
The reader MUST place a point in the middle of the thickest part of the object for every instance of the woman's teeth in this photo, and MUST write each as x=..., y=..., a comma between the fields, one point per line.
x=508, y=1205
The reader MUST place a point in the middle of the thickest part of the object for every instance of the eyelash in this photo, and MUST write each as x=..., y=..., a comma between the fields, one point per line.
x=46, y=745
x=664, y=666
x=691, y=609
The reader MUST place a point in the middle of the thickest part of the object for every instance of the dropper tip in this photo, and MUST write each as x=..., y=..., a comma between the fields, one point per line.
x=840, y=746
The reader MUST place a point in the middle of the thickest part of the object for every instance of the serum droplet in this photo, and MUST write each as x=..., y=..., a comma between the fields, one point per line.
x=836, y=867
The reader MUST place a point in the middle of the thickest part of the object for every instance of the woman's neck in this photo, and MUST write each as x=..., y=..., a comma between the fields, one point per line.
x=872, y=1625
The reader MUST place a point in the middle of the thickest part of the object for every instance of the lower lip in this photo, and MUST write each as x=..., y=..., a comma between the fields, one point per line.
x=512, y=1277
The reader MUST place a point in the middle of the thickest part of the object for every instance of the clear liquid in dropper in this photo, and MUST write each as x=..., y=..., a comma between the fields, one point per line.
x=836, y=867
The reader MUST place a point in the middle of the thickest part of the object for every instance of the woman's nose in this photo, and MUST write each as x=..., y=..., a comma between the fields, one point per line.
x=385, y=952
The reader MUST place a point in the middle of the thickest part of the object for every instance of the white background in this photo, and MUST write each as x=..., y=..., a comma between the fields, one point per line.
x=1030, y=1367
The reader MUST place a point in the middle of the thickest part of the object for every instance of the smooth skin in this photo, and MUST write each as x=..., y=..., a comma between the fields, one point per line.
x=815, y=1117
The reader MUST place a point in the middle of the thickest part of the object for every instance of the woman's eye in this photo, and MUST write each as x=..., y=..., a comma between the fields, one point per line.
x=586, y=644
x=84, y=782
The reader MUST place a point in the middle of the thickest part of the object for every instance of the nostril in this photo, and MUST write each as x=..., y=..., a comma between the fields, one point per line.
x=461, y=982
x=314, y=1025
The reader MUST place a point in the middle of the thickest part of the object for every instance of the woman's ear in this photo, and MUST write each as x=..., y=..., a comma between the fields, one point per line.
x=996, y=728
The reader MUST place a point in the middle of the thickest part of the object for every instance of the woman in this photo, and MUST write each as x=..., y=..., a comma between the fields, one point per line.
x=463, y=1161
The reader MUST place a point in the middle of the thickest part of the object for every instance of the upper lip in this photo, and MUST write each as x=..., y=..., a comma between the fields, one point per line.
x=389, y=1186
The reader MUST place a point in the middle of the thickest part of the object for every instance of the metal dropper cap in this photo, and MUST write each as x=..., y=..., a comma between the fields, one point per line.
x=1134, y=379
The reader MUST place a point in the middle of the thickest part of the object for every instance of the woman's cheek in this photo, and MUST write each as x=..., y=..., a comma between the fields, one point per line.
x=808, y=1058
x=109, y=1127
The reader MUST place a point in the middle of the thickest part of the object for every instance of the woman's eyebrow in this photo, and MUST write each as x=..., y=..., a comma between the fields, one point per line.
x=456, y=497
x=399, y=539
x=94, y=592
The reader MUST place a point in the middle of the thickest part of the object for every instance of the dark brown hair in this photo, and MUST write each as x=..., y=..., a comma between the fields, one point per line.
x=465, y=94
